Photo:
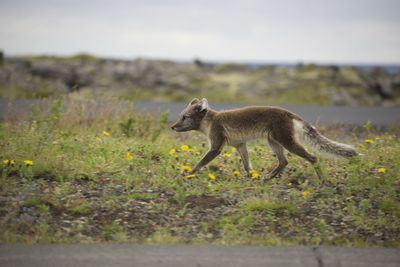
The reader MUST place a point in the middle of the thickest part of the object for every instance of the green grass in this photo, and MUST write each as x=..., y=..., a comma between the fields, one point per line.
x=82, y=187
x=157, y=80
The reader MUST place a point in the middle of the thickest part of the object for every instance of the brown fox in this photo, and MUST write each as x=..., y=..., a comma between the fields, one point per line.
x=282, y=128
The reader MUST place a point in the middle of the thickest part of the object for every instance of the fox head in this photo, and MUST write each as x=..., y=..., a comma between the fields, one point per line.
x=190, y=118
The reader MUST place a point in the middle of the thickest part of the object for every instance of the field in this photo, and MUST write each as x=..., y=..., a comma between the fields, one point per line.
x=87, y=77
x=71, y=177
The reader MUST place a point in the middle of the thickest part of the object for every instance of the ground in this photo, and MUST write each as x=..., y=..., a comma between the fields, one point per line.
x=121, y=178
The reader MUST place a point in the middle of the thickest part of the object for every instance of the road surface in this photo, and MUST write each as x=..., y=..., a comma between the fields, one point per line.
x=194, y=256
x=313, y=114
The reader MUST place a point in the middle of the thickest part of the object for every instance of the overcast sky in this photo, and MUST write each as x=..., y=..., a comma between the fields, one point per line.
x=334, y=31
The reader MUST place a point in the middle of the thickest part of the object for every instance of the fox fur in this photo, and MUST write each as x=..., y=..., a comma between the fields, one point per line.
x=280, y=127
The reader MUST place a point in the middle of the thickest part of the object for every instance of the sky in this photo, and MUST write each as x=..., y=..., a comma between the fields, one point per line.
x=310, y=31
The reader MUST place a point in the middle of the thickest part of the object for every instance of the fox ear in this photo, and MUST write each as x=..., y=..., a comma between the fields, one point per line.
x=204, y=104
x=194, y=101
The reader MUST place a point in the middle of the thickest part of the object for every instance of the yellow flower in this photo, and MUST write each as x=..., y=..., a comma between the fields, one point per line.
x=9, y=162
x=369, y=141
x=381, y=170
x=98, y=138
x=305, y=194
x=236, y=173
x=289, y=184
x=211, y=176
x=172, y=151
x=105, y=133
x=227, y=155
x=190, y=176
x=28, y=162
x=128, y=156
x=185, y=168
x=254, y=174
x=185, y=148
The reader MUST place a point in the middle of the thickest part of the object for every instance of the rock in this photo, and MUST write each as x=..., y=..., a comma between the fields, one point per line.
x=337, y=85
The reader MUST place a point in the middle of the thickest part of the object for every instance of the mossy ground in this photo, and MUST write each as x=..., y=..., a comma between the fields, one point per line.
x=118, y=179
x=86, y=77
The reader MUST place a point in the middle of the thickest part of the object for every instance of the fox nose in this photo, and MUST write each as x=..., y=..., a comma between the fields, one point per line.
x=173, y=127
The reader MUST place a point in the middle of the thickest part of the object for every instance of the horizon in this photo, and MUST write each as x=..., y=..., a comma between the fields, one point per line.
x=209, y=61
x=360, y=32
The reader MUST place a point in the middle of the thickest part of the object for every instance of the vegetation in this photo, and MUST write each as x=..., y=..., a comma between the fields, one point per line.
x=87, y=77
x=117, y=177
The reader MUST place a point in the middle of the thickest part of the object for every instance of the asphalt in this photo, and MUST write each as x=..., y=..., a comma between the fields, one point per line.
x=314, y=114
x=381, y=116
x=99, y=255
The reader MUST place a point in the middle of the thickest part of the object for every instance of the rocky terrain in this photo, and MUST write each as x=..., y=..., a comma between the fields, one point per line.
x=87, y=77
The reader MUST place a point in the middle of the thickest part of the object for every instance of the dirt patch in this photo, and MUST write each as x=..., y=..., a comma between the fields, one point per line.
x=204, y=202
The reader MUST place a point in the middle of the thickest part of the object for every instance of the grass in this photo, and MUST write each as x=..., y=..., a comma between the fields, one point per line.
x=83, y=186
x=86, y=77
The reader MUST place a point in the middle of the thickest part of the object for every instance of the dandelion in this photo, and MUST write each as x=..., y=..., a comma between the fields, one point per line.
x=211, y=176
x=105, y=133
x=172, y=152
x=185, y=148
x=128, y=156
x=227, y=155
x=9, y=162
x=369, y=141
x=190, y=176
x=305, y=195
x=185, y=168
x=28, y=162
x=236, y=173
x=289, y=184
x=381, y=170
x=254, y=174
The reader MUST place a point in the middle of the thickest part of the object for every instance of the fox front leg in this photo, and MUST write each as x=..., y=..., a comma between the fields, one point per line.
x=211, y=154
x=216, y=146
x=242, y=149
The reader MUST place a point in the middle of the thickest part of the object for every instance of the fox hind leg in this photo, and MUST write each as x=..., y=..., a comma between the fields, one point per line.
x=292, y=146
x=277, y=148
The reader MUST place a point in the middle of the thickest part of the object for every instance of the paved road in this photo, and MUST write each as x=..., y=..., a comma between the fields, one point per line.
x=194, y=256
x=313, y=114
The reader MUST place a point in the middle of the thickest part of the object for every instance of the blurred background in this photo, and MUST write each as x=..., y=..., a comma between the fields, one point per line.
x=275, y=52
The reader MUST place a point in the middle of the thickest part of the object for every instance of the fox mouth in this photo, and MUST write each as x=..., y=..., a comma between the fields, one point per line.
x=179, y=129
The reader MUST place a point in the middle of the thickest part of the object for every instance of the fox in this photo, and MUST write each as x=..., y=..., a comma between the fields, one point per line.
x=281, y=128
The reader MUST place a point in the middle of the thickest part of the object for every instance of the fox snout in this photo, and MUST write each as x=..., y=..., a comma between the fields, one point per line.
x=179, y=127
x=173, y=126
